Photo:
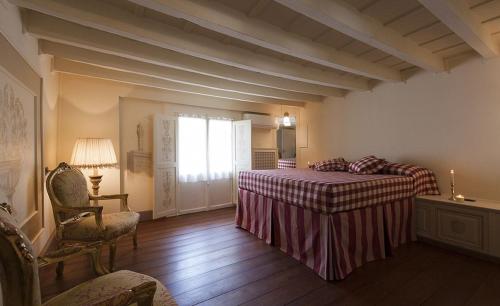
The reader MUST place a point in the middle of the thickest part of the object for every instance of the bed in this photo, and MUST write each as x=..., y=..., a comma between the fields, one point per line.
x=285, y=163
x=333, y=222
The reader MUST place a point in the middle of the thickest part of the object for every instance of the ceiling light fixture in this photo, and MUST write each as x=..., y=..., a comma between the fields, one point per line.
x=286, y=119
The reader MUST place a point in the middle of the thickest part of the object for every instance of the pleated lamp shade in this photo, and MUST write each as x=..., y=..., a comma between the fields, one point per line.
x=93, y=153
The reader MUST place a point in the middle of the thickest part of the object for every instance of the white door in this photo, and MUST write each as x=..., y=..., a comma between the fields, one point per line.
x=164, y=166
x=242, y=155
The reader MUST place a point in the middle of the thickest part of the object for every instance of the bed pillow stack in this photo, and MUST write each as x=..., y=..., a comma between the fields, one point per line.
x=336, y=164
x=367, y=165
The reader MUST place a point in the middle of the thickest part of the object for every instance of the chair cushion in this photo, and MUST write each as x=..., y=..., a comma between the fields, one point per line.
x=116, y=224
x=70, y=188
x=108, y=290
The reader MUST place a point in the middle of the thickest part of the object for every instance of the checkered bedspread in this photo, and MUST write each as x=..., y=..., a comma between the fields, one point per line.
x=424, y=180
x=285, y=163
x=330, y=192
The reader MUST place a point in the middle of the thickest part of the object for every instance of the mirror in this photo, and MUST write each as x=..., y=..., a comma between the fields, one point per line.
x=286, y=142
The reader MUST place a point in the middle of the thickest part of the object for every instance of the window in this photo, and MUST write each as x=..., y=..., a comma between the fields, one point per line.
x=219, y=149
x=192, y=149
x=199, y=161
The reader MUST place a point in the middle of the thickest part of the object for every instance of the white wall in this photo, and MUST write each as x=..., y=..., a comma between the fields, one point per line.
x=264, y=138
x=89, y=107
x=314, y=129
x=442, y=121
x=27, y=47
x=139, y=185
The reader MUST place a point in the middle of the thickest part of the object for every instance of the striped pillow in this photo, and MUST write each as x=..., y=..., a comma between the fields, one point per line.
x=367, y=165
x=336, y=164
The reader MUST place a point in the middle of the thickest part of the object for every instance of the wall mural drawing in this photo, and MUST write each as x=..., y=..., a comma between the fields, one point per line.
x=18, y=147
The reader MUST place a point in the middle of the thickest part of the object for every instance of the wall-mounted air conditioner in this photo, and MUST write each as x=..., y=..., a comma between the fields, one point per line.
x=260, y=121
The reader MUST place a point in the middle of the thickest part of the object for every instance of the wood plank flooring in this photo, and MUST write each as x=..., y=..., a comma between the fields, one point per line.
x=204, y=260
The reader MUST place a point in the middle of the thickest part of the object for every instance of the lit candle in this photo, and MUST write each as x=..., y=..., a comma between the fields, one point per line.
x=460, y=198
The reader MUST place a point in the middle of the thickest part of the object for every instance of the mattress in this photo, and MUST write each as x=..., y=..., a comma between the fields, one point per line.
x=327, y=192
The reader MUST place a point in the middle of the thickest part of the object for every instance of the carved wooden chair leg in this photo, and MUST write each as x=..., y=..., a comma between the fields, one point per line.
x=112, y=254
x=135, y=239
x=99, y=269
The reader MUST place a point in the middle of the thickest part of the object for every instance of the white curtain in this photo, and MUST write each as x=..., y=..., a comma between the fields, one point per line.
x=192, y=149
x=220, y=163
x=199, y=162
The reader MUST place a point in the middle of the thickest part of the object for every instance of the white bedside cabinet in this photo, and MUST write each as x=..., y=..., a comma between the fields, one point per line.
x=473, y=226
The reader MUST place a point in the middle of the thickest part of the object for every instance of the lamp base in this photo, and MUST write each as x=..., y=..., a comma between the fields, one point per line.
x=95, y=180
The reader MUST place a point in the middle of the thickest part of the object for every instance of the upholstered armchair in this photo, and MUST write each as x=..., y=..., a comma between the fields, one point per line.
x=21, y=287
x=77, y=222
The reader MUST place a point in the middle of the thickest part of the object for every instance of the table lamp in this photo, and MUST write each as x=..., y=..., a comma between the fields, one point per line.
x=94, y=153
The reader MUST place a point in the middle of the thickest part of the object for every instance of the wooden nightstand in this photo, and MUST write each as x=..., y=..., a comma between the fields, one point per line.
x=473, y=226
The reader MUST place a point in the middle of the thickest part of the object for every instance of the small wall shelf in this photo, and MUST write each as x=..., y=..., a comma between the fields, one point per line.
x=140, y=162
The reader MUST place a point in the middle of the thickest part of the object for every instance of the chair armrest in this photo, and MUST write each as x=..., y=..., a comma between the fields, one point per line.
x=123, y=197
x=81, y=212
x=141, y=295
x=67, y=252
x=6, y=207
x=79, y=209
x=144, y=293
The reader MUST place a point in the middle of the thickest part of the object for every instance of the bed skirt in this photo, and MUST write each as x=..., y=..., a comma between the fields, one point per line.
x=332, y=245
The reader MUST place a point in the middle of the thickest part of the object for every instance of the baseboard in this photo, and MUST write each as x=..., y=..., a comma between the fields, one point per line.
x=192, y=211
x=145, y=215
x=220, y=206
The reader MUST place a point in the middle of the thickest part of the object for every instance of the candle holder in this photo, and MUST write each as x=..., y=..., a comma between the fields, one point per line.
x=453, y=198
x=452, y=184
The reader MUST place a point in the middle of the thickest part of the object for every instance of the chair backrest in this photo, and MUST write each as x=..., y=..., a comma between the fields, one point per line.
x=18, y=264
x=67, y=187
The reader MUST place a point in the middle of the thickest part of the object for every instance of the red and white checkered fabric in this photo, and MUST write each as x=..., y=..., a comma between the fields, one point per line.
x=286, y=163
x=326, y=192
x=424, y=180
x=367, y=165
x=335, y=164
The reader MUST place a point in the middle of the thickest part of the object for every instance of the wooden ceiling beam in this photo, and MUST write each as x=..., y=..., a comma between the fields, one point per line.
x=258, y=8
x=72, y=67
x=341, y=17
x=105, y=17
x=457, y=15
x=58, y=30
x=170, y=74
x=222, y=19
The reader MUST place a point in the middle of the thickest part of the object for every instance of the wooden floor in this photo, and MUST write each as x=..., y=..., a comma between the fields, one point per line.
x=203, y=259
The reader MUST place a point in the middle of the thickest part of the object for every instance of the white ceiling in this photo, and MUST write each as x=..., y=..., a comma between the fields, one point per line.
x=409, y=19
